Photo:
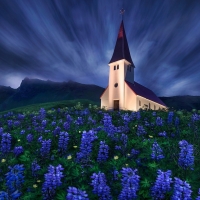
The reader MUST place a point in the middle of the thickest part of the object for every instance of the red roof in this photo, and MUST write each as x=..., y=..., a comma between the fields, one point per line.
x=121, y=50
x=144, y=92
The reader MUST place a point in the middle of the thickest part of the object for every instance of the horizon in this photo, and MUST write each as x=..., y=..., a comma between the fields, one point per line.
x=59, y=41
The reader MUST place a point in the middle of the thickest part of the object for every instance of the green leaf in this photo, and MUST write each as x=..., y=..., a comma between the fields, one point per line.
x=61, y=196
x=145, y=183
x=152, y=165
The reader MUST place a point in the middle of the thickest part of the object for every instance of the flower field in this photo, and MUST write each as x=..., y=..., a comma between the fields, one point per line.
x=90, y=154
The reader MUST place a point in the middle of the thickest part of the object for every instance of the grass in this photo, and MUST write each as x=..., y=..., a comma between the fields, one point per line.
x=79, y=176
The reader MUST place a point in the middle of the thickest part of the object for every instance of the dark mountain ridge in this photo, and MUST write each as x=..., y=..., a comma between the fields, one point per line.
x=33, y=91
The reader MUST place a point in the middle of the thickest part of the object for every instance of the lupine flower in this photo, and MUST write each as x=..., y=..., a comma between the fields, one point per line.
x=57, y=131
x=164, y=134
x=130, y=184
x=42, y=113
x=45, y=149
x=99, y=186
x=40, y=139
x=6, y=143
x=156, y=152
x=176, y=121
x=74, y=193
x=1, y=131
x=29, y=138
x=53, y=123
x=18, y=150
x=154, y=113
x=103, y=152
x=20, y=117
x=159, y=121
x=138, y=115
x=10, y=123
x=170, y=117
x=79, y=121
x=86, y=144
x=140, y=130
x=22, y=132
x=44, y=123
x=34, y=168
x=198, y=197
x=186, y=158
x=4, y=195
x=124, y=139
x=63, y=142
x=52, y=181
x=162, y=185
x=181, y=190
x=14, y=178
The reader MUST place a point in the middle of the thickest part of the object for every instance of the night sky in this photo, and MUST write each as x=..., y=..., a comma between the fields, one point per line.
x=62, y=40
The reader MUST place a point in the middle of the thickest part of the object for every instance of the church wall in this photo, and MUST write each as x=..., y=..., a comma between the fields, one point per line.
x=130, y=99
x=145, y=104
x=116, y=76
x=104, y=99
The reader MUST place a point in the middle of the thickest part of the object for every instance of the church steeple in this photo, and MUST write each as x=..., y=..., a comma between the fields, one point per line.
x=121, y=50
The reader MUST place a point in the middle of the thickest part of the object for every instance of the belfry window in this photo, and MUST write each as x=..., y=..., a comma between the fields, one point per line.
x=114, y=67
x=117, y=66
x=139, y=103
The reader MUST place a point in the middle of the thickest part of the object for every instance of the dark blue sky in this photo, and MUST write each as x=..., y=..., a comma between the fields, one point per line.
x=63, y=40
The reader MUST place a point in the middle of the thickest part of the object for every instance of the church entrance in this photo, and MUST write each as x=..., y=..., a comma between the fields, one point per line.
x=116, y=105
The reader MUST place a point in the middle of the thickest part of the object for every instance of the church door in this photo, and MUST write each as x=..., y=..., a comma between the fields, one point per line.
x=116, y=105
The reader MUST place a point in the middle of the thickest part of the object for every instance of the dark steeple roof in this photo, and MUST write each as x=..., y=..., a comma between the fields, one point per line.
x=121, y=50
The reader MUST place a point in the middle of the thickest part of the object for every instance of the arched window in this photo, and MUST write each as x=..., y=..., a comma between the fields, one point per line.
x=139, y=103
x=149, y=105
x=117, y=66
x=154, y=107
x=114, y=67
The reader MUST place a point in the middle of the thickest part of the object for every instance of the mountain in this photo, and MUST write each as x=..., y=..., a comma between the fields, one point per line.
x=33, y=91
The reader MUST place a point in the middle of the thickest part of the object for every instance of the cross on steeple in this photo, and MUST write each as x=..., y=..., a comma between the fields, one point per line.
x=122, y=12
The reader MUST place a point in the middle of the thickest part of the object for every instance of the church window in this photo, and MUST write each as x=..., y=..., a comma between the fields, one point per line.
x=149, y=105
x=117, y=66
x=154, y=107
x=139, y=103
x=116, y=84
x=114, y=67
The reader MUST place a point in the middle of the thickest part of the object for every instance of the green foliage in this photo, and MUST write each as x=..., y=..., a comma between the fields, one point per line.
x=79, y=175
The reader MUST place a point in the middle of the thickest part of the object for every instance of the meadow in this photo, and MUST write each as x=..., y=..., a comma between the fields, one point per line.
x=81, y=152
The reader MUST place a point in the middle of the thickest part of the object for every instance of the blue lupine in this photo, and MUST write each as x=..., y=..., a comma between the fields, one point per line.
x=195, y=117
x=20, y=117
x=140, y=130
x=44, y=123
x=40, y=139
x=14, y=178
x=56, y=131
x=198, y=197
x=34, y=168
x=103, y=152
x=74, y=193
x=42, y=113
x=79, y=121
x=124, y=139
x=156, y=152
x=86, y=144
x=29, y=138
x=181, y=190
x=164, y=134
x=53, y=123
x=1, y=131
x=159, y=121
x=45, y=149
x=138, y=115
x=22, y=132
x=99, y=186
x=4, y=195
x=162, y=185
x=186, y=158
x=63, y=142
x=6, y=143
x=154, y=113
x=10, y=123
x=66, y=126
x=170, y=117
x=18, y=150
x=176, y=121
x=52, y=181
x=130, y=184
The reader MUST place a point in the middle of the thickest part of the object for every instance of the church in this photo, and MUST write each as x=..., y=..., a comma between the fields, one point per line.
x=122, y=92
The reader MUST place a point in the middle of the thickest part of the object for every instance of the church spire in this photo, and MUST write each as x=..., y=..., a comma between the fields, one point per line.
x=121, y=50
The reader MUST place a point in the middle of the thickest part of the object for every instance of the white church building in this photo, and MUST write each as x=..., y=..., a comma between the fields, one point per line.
x=122, y=92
